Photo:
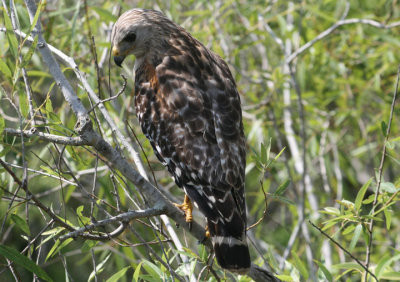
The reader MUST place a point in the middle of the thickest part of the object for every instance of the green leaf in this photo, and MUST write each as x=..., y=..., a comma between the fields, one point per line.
x=391, y=276
x=356, y=236
x=383, y=128
x=264, y=154
x=348, y=229
x=2, y=92
x=49, y=170
x=388, y=216
x=152, y=269
x=203, y=254
x=99, y=268
x=282, y=188
x=49, y=105
x=331, y=210
x=265, y=150
x=324, y=270
x=348, y=266
x=5, y=69
x=280, y=153
x=83, y=220
x=388, y=187
x=284, y=277
x=16, y=74
x=20, y=223
x=360, y=195
x=88, y=245
x=384, y=262
x=12, y=40
x=105, y=15
x=57, y=247
x=118, y=275
x=300, y=265
x=2, y=124
x=23, y=104
x=52, y=233
x=136, y=274
x=284, y=200
x=27, y=58
x=36, y=17
x=23, y=261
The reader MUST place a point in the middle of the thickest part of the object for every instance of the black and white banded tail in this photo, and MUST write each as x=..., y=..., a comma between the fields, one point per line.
x=226, y=220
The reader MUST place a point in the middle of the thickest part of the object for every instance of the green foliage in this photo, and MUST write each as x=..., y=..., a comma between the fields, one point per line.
x=23, y=261
x=346, y=83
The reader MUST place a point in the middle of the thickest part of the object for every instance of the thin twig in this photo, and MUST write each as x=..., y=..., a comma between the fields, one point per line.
x=123, y=217
x=342, y=248
x=332, y=28
x=380, y=171
x=265, y=209
x=110, y=98
x=64, y=140
x=34, y=199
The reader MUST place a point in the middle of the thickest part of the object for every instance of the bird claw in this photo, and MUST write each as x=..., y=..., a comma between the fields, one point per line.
x=187, y=208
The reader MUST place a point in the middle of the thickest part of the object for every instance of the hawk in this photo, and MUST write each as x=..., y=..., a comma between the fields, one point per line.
x=189, y=108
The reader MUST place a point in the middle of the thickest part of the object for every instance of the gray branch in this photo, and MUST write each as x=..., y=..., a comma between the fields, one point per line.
x=332, y=28
x=123, y=217
x=64, y=140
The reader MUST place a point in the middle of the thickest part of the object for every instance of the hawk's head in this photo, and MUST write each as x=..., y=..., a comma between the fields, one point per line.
x=136, y=32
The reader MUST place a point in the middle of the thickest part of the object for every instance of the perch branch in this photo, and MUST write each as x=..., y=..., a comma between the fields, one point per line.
x=123, y=217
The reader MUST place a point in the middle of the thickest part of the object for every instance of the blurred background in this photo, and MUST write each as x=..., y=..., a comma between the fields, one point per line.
x=316, y=80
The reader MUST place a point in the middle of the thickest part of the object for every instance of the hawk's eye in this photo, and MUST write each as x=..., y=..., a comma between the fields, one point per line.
x=130, y=37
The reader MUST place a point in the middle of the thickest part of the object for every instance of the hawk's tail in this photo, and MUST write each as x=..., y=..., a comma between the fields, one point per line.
x=226, y=219
x=232, y=253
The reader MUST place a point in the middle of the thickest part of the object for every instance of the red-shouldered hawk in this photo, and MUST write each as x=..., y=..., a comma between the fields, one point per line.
x=189, y=108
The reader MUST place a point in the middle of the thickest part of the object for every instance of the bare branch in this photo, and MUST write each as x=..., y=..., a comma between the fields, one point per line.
x=53, y=65
x=34, y=199
x=332, y=28
x=110, y=98
x=380, y=170
x=123, y=217
x=64, y=140
x=342, y=248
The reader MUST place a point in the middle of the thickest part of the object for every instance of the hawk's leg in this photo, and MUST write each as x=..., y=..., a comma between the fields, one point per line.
x=187, y=208
x=207, y=235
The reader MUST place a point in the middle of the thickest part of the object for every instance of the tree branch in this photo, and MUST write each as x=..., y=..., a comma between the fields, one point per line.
x=64, y=140
x=380, y=170
x=123, y=217
x=342, y=248
x=329, y=30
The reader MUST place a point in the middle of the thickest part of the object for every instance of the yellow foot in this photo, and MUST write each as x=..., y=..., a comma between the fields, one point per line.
x=187, y=208
x=208, y=235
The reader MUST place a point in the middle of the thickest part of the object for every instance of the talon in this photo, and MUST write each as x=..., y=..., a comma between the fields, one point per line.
x=187, y=208
x=208, y=235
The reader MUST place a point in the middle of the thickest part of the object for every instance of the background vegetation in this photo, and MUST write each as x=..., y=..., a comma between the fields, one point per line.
x=317, y=83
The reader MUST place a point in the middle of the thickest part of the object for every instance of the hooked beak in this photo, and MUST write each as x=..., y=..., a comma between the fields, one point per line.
x=118, y=59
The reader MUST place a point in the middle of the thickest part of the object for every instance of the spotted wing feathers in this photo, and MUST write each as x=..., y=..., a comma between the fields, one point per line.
x=189, y=109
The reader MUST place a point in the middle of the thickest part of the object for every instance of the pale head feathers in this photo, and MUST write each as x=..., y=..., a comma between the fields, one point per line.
x=140, y=31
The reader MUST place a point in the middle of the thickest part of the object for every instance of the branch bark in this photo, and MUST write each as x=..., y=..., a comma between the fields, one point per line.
x=332, y=28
